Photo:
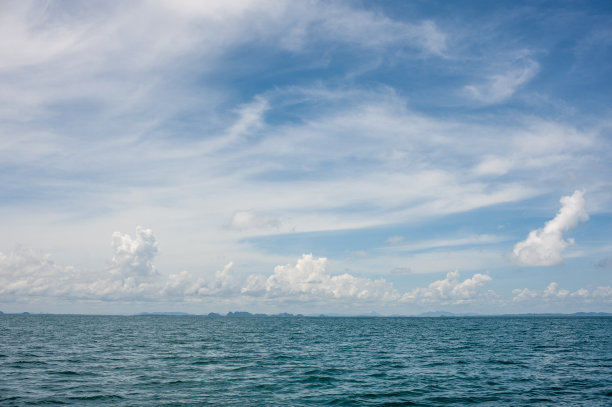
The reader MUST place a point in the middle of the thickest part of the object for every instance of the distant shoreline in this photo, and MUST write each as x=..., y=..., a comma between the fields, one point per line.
x=244, y=314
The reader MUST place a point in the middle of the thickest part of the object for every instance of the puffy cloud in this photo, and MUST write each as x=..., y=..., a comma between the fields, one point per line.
x=309, y=280
x=185, y=284
x=544, y=246
x=26, y=273
x=133, y=257
x=450, y=290
x=553, y=293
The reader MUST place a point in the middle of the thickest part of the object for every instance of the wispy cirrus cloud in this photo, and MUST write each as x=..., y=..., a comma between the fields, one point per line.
x=499, y=87
x=221, y=123
x=245, y=220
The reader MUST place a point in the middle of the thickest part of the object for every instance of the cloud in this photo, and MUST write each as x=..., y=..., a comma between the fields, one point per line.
x=25, y=274
x=544, y=246
x=132, y=277
x=423, y=245
x=450, y=290
x=375, y=30
x=244, y=220
x=493, y=166
x=185, y=284
x=309, y=280
x=133, y=257
x=501, y=86
x=395, y=240
x=552, y=293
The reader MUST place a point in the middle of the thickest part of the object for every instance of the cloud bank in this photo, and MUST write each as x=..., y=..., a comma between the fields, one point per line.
x=309, y=280
x=449, y=290
x=544, y=246
x=132, y=276
x=552, y=293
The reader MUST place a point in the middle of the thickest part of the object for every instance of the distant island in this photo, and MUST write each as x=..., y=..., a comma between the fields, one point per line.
x=214, y=314
x=429, y=314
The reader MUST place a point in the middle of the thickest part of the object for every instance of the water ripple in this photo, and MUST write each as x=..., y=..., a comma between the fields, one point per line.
x=196, y=361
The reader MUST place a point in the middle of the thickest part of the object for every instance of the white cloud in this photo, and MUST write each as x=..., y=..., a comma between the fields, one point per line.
x=24, y=271
x=25, y=274
x=244, y=220
x=185, y=284
x=375, y=30
x=133, y=257
x=443, y=259
x=395, y=240
x=552, y=293
x=450, y=290
x=501, y=86
x=544, y=246
x=475, y=240
x=493, y=166
x=309, y=280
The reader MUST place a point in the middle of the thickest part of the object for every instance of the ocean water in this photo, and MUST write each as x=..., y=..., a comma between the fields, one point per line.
x=273, y=361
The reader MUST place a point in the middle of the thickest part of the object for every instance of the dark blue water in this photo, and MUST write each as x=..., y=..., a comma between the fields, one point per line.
x=155, y=361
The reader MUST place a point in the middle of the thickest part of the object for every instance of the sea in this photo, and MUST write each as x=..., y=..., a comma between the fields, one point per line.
x=304, y=361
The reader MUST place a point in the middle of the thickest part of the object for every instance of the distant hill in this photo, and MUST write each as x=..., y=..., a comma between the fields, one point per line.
x=163, y=314
x=445, y=314
x=248, y=314
x=371, y=314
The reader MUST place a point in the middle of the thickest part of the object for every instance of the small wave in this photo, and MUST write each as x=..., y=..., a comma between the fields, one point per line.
x=65, y=373
x=97, y=397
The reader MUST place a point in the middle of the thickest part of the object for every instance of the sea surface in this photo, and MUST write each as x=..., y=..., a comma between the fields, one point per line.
x=304, y=361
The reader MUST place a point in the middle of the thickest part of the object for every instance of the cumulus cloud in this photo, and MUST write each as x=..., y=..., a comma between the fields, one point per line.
x=26, y=273
x=132, y=276
x=133, y=256
x=552, y=293
x=544, y=246
x=449, y=290
x=309, y=280
x=186, y=284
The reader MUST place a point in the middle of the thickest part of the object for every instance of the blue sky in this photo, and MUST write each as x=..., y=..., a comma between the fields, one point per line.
x=313, y=156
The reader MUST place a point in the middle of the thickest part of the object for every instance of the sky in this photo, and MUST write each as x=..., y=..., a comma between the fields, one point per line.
x=346, y=157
